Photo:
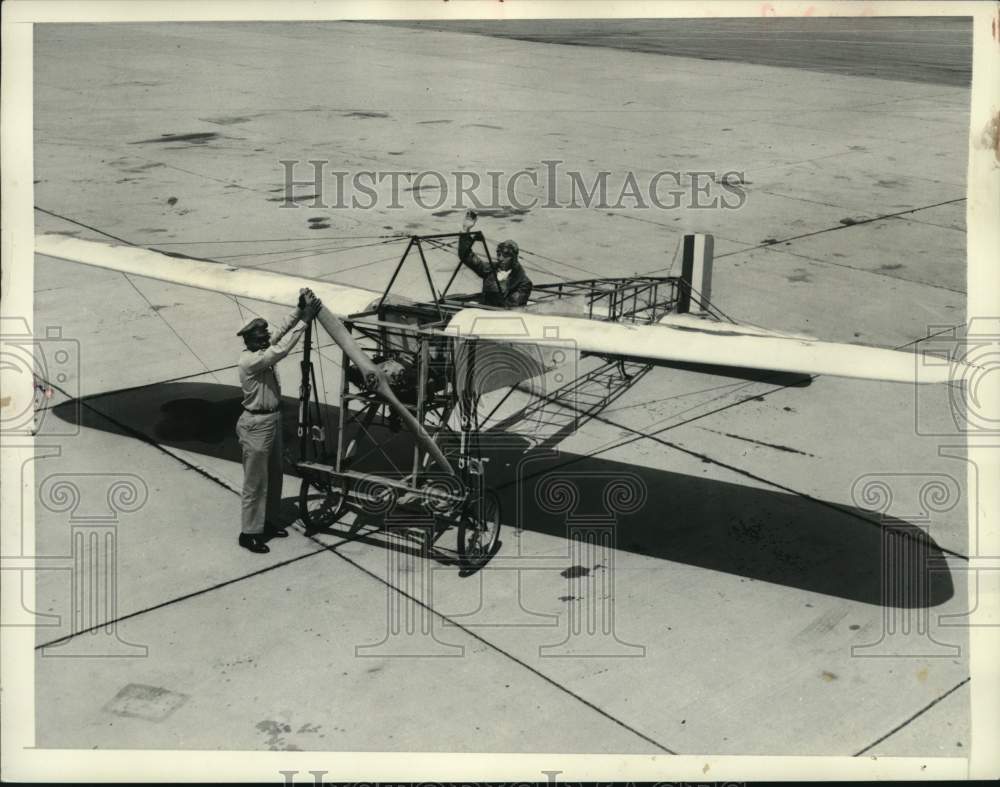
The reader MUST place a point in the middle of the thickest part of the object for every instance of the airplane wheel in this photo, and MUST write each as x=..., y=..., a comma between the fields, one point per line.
x=321, y=502
x=479, y=530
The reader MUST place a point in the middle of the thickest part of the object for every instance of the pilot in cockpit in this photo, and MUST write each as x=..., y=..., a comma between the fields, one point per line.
x=505, y=283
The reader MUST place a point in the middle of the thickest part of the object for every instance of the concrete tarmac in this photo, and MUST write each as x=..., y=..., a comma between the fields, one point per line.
x=745, y=607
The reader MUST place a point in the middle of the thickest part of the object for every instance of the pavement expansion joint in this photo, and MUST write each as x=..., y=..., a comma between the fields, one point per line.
x=333, y=550
x=178, y=599
x=499, y=650
x=858, y=223
x=81, y=224
x=639, y=435
x=913, y=718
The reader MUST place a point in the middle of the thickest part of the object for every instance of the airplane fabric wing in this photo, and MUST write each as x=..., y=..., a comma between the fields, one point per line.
x=687, y=342
x=268, y=286
x=678, y=338
x=726, y=329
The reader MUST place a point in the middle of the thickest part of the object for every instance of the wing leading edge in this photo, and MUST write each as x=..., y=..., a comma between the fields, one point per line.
x=268, y=286
x=687, y=342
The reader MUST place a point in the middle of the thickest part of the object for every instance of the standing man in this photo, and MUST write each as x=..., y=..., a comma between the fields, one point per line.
x=259, y=426
x=505, y=283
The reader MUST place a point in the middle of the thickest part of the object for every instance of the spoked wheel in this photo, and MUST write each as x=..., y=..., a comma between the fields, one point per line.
x=479, y=530
x=322, y=501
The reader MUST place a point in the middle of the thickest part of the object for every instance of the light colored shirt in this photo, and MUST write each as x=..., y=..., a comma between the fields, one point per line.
x=258, y=369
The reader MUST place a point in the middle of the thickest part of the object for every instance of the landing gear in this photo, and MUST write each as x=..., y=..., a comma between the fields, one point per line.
x=322, y=501
x=424, y=382
x=479, y=530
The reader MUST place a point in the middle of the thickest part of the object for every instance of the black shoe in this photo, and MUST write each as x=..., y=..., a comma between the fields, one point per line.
x=253, y=543
x=275, y=531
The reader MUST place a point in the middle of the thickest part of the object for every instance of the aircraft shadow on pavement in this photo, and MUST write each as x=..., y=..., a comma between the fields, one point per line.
x=784, y=379
x=767, y=535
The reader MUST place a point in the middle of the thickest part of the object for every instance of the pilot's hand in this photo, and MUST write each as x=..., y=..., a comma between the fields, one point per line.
x=469, y=220
x=313, y=307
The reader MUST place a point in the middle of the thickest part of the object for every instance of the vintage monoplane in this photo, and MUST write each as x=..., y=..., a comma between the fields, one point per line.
x=423, y=366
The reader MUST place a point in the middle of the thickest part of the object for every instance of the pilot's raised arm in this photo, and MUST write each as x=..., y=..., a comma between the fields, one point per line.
x=469, y=258
x=505, y=282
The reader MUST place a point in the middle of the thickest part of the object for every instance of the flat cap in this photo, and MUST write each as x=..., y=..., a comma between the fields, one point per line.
x=252, y=324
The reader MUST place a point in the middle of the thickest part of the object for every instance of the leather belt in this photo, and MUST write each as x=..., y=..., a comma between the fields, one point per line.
x=260, y=412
